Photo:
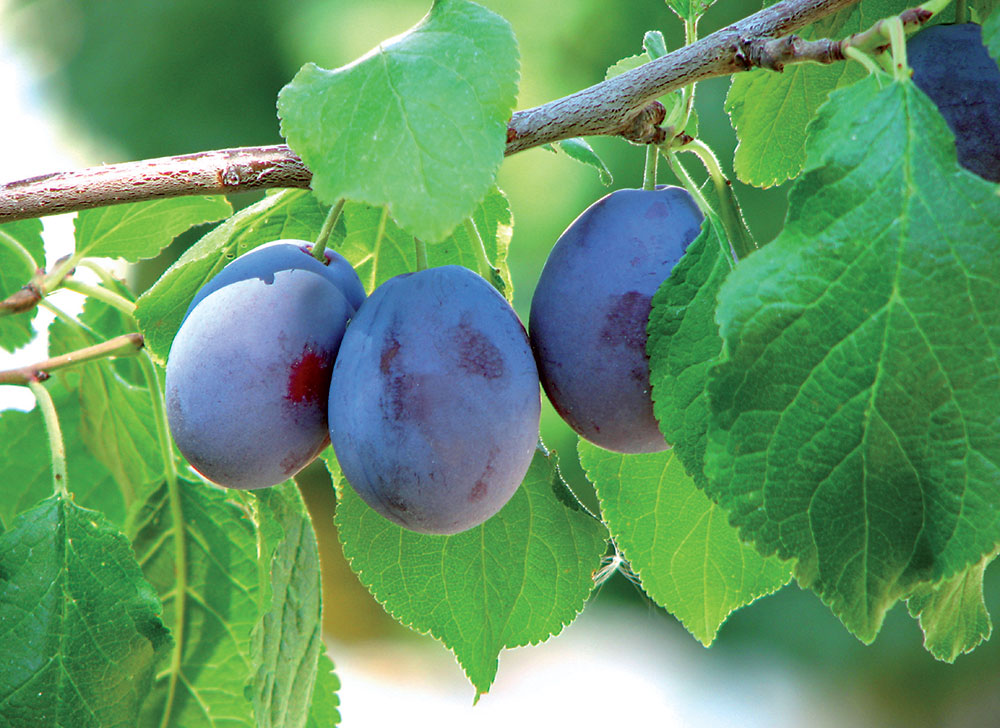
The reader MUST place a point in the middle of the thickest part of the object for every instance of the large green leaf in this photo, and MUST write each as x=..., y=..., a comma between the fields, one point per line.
x=288, y=638
x=142, y=229
x=770, y=111
x=418, y=124
x=515, y=580
x=991, y=35
x=683, y=342
x=21, y=254
x=953, y=613
x=287, y=214
x=689, y=559
x=26, y=462
x=211, y=602
x=81, y=629
x=379, y=249
x=854, y=417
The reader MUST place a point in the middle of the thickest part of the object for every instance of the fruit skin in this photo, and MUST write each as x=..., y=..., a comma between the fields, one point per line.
x=952, y=66
x=590, y=308
x=248, y=373
x=434, y=403
x=264, y=260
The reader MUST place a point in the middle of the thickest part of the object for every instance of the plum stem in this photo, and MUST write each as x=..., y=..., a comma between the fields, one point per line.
x=649, y=174
x=421, y=250
x=961, y=12
x=319, y=247
x=486, y=269
x=57, y=445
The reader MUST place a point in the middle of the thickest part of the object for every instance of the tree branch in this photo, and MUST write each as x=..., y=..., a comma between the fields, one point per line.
x=624, y=105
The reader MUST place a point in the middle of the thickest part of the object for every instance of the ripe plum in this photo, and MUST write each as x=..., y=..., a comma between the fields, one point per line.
x=248, y=375
x=952, y=66
x=263, y=261
x=590, y=308
x=434, y=402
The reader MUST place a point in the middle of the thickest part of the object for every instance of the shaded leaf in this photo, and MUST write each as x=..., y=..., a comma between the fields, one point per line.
x=853, y=422
x=683, y=342
x=288, y=638
x=81, y=629
x=577, y=148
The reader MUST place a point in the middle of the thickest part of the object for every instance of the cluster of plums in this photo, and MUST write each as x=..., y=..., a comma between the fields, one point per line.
x=428, y=388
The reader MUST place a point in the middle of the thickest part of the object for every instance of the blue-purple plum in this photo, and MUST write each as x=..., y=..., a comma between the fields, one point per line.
x=434, y=403
x=263, y=261
x=952, y=66
x=590, y=308
x=248, y=374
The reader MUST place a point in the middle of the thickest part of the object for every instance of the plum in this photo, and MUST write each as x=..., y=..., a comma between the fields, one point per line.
x=952, y=66
x=589, y=312
x=248, y=374
x=262, y=262
x=434, y=402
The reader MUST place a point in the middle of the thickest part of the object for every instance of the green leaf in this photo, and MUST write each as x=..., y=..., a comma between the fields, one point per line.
x=324, y=713
x=379, y=249
x=853, y=421
x=983, y=10
x=287, y=214
x=953, y=613
x=770, y=111
x=21, y=254
x=217, y=591
x=117, y=419
x=26, y=462
x=991, y=36
x=515, y=580
x=142, y=229
x=690, y=10
x=683, y=342
x=81, y=629
x=577, y=148
x=288, y=638
x=418, y=124
x=655, y=44
x=689, y=559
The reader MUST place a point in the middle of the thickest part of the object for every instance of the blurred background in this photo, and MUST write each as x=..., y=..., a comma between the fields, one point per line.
x=85, y=82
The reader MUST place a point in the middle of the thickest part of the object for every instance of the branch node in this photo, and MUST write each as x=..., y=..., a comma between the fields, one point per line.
x=643, y=127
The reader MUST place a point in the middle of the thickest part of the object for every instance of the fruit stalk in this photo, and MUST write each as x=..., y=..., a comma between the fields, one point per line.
x=124, y=345
x=56, y=444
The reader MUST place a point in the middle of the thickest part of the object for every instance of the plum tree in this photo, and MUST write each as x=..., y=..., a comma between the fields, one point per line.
x=434, y=402
x=589, y=311
x=248, y=373
x=263, y=261
x=952, y=66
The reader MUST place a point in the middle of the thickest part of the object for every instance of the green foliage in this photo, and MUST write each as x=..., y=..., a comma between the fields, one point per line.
x=21, y=254
x=379, y=249
x=831, y=400
x=683, y=342
x=853, y=422
x=435, y=100
x=81, y=629
x=143, y=229
x=515, y=580
x=678, y=542
x=770, y=111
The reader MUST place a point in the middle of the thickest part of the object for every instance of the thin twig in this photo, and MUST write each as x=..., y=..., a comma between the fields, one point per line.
x=119, y=346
